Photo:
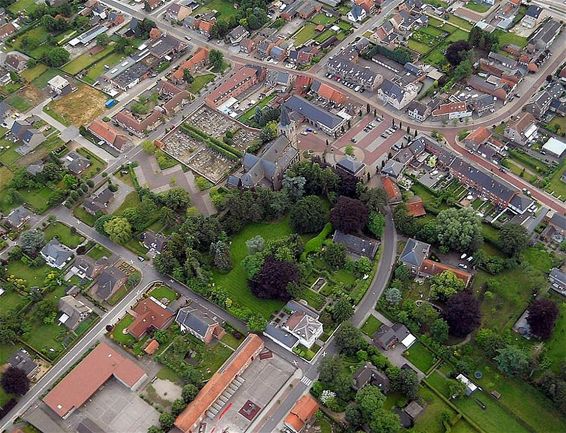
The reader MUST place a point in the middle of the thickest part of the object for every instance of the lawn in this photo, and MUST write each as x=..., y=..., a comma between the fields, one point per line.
x=460, y=22
x=556, y=346
x=371, y=325
x=33, y=276
x=431, y=419
x=6, y=176
x=97, y=69
x=96, y=164
x=321, y=18
x=85, y=60
x=47, y=338
x=80, y=213
x=477, y=7
x=11, y=300
x=131, y=200
x=118, y=331
x=38, y=34
x=458, y=35
x=212, y=357
x=506, y=38
x=19, y=103
x=306, y=33
x=249, y=114
x=6, y=351
x=418, y=46
x=200, y=81
x=231, y=341
x=63, y=233
x=41, y=81
x=555, y=184
x=225, y=8
x=23, y=5
x=73, y=109
x=38, y=199
x=420, y=356
x=98, y=251
x=235, y=282
x=161, y=292
x=167, y=374
x=315, y=300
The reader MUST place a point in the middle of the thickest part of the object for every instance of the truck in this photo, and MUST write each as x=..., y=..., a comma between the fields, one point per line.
x=110, y=103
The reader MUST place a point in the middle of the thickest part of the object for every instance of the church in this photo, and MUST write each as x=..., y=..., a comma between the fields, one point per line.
x=266, y=169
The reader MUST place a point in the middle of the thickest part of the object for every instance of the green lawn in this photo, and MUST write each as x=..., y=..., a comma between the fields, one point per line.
x=47, y=339
x=235, y=282
x=131, y=200
x=555, y=184
x=306, y=33
x=20, y=103
x=321, y=18
x=249, y=114
x=506, y=38
x=33, y=276
x=371, y=325
x=98, y=251
x=420, y=356
x=84, y=216
x=6, y=351
x=167, y=374
x=419, y=47
x=315, y=300
x=200, y=81
x=85, y=60
x=11, y=300
x=231, y=341
x=477, y=7
x=97, y=69
x=38, y=34
x=63, y=233
x=38, y=199
x=431, y=419
x=23, y=5
x=96, y=164
x=458, y=35
x=212, y=357
x=556, y=346
x=41, y=81
x=161, y=292
x=460, y=22
x=225, y=8
x=118, y=331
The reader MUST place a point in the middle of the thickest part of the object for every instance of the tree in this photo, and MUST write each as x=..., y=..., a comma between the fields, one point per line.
x=32, y=241
x=439, y=330
x=70, y=181
x=99, y=224
x=176, y=198
x=362, y=266
x=369, y=399
x=342, y=310
x=542, y=317
x=376, y=224
x=154, y=429
x=272, y=280
x=444, y=285
x=512, y=360
x=335, y=255
x=269, y=132
x=459, y=229
x=513, y=239
x=102, y=39
x=375, y=199
x=55, y=57
x=393, y=296
x=189, y=393
x=294, y=186
x=406, y=382
x=148, y=147
x=463, y=70
x=222, y=257
x=349, y=339
x=384, y=421
x=404, y=222
x=166, y=420
x=456, y=52
x=308, y=215
x=349, y=215
x=187, y=76
x=489, y=341
x=255, y=244
x=349, y=150
x=118, y=229
x=216, y=60
x=15, y=381
x=456, y=389
x=252, y=264
x=329, y=369
x=46, y=310
x=178, y=407
x=462, y=313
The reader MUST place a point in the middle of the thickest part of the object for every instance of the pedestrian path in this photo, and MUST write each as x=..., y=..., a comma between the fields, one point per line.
x=306, y=381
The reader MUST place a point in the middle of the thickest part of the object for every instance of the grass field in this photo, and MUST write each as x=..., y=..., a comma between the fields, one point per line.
x=556, y=185
x=161, y=292
x=118, y=331
x=420, y=356
x=131, y=200
x=460, y=22
x=84, y=216
x=506, y=38
x=200, y=81
x=33, y=276
x=224, y=8
x=458, y=35
x=73, y=109
x=63, y=233
x=371, y=325
x=477, y=7
x=85, y=60
x=306, y=33
x=556, y=346
x=321, y=18
x=23, y=5
x=431, y=419
x=235, y=282
x=98, y=251
x=11, y=301
x=38, y=34
x=97, y=69
x=41, y=81
x=419, y=47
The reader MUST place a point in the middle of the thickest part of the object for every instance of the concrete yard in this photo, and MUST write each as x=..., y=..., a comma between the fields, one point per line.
x=262, y=380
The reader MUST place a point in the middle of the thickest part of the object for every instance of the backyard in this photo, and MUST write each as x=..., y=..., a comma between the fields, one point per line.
x=96, y=164
x=224, y=8
x=33, y=276
x=371, y=326
x=420, y=356
x=64, y=234
x=200, y=81
x=85, y=60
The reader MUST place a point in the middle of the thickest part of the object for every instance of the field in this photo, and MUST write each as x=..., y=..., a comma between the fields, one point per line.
x=420, y=356
x=85, y=60
x=23, y=5
x=506, y=38
x=26, y=98
x=161, y=292
x=98, y=251
x=33, y=276
x=225, y=8
x=556, y=346
x=84, y=216
x=200, y=81
x=97, y=69
x=11, y=300
x=235, y=282
x=41, y=80
x=431, y=41
x=63, y=233
x=73, y=109
x=431, y=419
x=460, y=22
x=556, y=185
x=306, y=33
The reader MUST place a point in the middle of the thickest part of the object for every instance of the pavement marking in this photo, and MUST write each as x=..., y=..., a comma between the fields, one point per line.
x=306, y=381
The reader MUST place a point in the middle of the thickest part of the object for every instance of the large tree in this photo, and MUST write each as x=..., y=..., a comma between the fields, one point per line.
x=456, y=52
x=335, y=255
x=216, y=60
x=444, y=285
x=272, y=280
x=513, y=239
x=349, y=215
x=308, y=215
x=349, y=339
x=462, y=312
x=118, y=229
x=32, y=241
x=369, y=399
x=542, y=317
x=459, y=229
x=512, y=360
x=15, y=381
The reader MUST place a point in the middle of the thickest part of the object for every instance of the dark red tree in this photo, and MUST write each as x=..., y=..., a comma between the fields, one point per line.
x=462, y=312
x=542, y=317
x=456, y=52
x=15, y=381
x=349, y=215
x=272, y=280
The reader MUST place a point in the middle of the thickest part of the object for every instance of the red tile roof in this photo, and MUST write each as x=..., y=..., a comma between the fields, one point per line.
x=218, y=383
x=106, y=132
x=303, y=411
x=430, y=267
x=327, y=92
x=151, y=347
x=453, y=107
x=200, y=56
x=391, y=189
x=148, y=314
x=479, y=136
x=89, y=375
x=302, y=83
x=415, y=206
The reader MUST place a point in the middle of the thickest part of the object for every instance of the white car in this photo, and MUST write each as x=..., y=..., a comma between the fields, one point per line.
x=463, y=256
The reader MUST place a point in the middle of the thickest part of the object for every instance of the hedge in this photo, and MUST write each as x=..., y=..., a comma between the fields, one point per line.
x=315, y=244
x=212, y=142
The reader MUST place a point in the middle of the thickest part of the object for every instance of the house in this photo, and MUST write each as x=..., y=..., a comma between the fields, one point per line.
x=199, y=324
x=413, y=410
x=16, y=62
x=345, y=66
x=328, y=93
x=268, y=166
x=18, y=217
x=418, y=111
x=301, y=414
x=557, y=280
x=539, y=104
x=107, y=134
x=392, y=168
x=391, y=189
x=150, y=5
x=368, y=374
x=149, y=314
x=453, y=110
x=109, y=282
x=317, y=116
x=357, y=14
x=545, y=36
x=483, y=104
x=357, y=246
x=35, y=169
x=5, y=110
x=198, y=59
x=99, y=202
x=247, y=45
x=6, y=30
x=59, y=85
x=91, y=373
x=522, y=130
x=74, y=312
x=368, y=5
x=281, y=81
x=246, y=353
x=304, y=325
x=303, y=9
x=414, y=254
x=398, y=97
x=430, y=268
x=387, y=337
x=351, y=166
x=531, y=16
x=154, y=241
x=56, y=254
x=554, y=147
x=86, y=267
x=237, y=83
x=495, y=88
x=415, y=207
x=237, y=34
x=23, y=360
x=177, y=12
x=76, y=163
x=27, y=135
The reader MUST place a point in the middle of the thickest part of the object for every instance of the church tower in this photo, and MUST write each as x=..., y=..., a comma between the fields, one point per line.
x=287, y=127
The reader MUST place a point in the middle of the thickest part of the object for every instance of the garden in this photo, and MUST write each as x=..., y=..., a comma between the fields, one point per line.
x=65, y=234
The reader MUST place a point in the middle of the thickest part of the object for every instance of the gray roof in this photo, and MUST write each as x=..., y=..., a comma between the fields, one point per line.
x=356, y=245
x=195, y=320
x=57, y=252
x=74, y=309
x=76, y=163
x=35, y=169
x=295, y=306
x=23, y=361
x=281, y=335
x=386, y=335
x=88, y=426
x=284, y=119
x=351, y=165
x=392, y=168
x=417, y=106
x=369, y=374
x=414, y=252
x=558, y=221
x=557, y=275
x=521, y=202
x=313, y=112
x=86, y=264
x=106, y=282
x=155, y=241
x=18, y=216
x=392, y=90
x=533, y=11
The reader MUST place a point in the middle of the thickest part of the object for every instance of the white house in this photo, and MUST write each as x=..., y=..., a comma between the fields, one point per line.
x=357, y=14
x=57, y=84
